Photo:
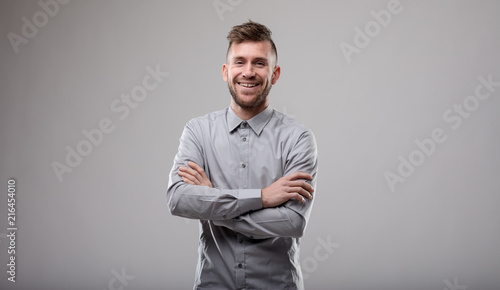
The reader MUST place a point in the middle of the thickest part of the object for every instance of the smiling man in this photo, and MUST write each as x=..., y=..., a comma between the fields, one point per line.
x=247, y=173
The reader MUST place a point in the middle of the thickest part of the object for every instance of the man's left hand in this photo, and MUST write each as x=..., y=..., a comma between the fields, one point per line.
x=194, y=175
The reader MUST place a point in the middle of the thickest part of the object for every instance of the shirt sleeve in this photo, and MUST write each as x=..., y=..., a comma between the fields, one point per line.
x=289, y=219
x=203, y=202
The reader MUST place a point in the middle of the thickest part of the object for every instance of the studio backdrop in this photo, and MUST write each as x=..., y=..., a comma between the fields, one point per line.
x=403, y=98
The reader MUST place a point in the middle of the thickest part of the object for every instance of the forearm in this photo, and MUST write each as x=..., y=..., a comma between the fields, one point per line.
x=205, y=203
x=288, y=220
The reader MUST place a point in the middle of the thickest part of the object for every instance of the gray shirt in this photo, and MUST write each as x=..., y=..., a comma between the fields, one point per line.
x=243, y=245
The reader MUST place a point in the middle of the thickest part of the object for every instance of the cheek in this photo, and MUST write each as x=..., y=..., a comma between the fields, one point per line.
x=230, y=75
x=269, y=76
x=269, y=79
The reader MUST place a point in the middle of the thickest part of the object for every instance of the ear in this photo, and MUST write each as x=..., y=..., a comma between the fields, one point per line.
x=224, y=71
x=276, y=75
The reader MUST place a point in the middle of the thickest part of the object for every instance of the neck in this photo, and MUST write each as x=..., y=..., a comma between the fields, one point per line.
x=246, y=114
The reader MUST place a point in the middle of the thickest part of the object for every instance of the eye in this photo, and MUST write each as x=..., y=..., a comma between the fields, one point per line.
x=260, y=63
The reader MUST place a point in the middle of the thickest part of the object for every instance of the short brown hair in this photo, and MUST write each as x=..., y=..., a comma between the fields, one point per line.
x=250, y=31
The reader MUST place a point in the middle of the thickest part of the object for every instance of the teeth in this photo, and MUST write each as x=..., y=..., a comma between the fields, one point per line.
x=249, y=85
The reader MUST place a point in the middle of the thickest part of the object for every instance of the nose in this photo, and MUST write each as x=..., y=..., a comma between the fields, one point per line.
x=248, y=71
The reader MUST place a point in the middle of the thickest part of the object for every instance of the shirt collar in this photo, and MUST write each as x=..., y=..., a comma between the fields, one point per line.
x=257, y=123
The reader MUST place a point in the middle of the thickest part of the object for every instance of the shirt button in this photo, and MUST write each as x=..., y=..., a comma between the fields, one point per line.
x=241, y=241
x=244, y=139
x=243, y=165
x=224, y=216
x=240, y=265
x=245, y=124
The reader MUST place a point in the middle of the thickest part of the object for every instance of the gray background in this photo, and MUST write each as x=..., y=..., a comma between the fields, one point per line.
x=438, y=229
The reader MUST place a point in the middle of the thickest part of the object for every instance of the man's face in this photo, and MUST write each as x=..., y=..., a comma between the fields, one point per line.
x=250, y=72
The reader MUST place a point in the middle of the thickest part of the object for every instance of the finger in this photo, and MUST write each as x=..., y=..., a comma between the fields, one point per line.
x=187, y=181
x=308, y=187
x=197, y=168
x=187, y=170
x=299, y=175
x=305, y=193
x=299, y=198
x=189, y=177
x=192, y=172
x=301, y=191
x=301, y=183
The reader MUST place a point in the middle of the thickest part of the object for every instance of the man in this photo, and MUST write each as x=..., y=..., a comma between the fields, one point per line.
x=247, y=173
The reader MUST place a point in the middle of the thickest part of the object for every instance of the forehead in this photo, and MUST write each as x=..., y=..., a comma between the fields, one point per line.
x=250, y=49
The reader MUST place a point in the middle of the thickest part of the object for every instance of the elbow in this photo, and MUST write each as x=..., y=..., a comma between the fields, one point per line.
x=175, y=210
x=172, y=208
x=172, y=203
x=298, y=227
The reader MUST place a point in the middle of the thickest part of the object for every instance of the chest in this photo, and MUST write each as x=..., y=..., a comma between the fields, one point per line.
x=243, y=159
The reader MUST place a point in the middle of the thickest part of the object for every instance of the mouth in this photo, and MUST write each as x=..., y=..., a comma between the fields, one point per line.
x=247, y=85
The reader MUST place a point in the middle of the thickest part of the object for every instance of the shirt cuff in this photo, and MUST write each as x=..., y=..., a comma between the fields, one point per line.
x=249, y=199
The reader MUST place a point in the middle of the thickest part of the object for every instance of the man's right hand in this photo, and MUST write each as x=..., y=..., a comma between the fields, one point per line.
x=286, y=188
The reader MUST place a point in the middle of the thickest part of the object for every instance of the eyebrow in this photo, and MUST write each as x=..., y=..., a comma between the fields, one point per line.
x=256, y=59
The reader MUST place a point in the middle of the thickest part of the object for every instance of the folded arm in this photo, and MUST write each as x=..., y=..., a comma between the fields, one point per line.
x=204, y=202
x=288, y=219
x=286, y=203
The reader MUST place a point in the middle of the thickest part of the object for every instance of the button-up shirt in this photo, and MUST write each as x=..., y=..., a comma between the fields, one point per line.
x=243, y=245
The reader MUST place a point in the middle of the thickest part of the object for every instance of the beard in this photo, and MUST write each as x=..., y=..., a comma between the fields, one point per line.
x=251, y=104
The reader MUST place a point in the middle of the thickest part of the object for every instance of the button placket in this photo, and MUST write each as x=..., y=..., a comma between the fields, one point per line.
x=243, y=176
x=240, y=260
x=244, y=154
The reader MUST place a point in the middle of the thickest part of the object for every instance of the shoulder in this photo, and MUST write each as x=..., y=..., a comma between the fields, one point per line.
x=291, y=125
x=208, y=120
x=299, y=142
